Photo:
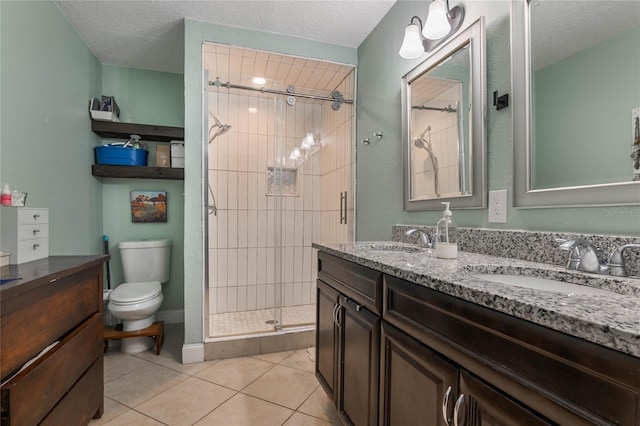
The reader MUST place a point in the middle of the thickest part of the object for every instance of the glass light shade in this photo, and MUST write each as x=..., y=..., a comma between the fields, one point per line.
x=437, y=25
x=259, y=80
x=296, y=154
x=308, y=142
x=412, y=44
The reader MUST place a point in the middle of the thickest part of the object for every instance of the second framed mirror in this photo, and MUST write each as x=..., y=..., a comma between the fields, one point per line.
x=443, y=113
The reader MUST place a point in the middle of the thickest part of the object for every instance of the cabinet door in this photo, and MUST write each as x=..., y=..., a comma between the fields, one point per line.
x=414, y=380
x=360, y=363
x=326, y=337
x=485, y=406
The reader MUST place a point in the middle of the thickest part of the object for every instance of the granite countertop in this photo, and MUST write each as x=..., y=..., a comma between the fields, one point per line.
x=608, y=320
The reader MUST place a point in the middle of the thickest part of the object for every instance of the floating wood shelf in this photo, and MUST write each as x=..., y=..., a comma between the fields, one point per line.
x=137, y=172
x=148, y=132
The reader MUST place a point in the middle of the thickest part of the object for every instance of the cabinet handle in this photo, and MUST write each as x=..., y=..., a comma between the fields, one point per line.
x=35, y=231
x=339, y=317
x=456, y=409
x=341, y=208
x=35, y=246
x=345, y=207
x=445, y=406
x=358, y=308
x=335, y=313
x=36, y=216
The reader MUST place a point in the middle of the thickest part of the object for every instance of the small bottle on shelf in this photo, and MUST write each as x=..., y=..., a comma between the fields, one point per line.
x=5, y=195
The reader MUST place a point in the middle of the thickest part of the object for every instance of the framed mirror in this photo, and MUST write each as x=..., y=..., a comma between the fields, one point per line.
x=443, y=125
x=576, y=103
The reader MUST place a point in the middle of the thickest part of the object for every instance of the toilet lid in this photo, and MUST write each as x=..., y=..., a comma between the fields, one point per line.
x=135, y=292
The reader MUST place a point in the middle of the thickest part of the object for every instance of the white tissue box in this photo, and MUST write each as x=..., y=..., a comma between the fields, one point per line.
x=177, y=154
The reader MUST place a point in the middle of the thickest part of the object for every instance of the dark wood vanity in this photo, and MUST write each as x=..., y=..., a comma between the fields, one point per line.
x=56, y=299
x=391, y=352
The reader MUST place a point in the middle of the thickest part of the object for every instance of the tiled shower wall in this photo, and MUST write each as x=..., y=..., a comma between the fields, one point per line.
x=444, y=142
x=242, y=253
x=337, y=168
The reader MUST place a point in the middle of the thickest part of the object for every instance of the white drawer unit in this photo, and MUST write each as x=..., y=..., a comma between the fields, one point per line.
x=24, y=234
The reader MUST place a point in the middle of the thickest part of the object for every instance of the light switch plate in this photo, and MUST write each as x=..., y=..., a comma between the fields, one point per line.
x=498, y=206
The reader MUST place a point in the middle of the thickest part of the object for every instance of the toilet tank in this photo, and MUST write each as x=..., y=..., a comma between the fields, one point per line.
x=146, y=260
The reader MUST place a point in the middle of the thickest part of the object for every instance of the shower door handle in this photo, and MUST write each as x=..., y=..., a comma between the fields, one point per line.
x=343, y=207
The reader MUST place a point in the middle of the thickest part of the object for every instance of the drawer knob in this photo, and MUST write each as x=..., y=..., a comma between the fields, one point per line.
x=35, y=231
x=35, y=246
x=36, y=215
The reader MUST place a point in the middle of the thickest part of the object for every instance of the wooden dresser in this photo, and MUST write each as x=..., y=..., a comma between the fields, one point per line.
x=57, y=299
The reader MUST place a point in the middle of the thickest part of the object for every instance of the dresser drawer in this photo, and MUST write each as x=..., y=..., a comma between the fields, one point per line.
x=87, y=393
x=43, y=315
x=32, y=216
x=33, y=249
x=31, y=394
x=33, y=230
x=25, y=234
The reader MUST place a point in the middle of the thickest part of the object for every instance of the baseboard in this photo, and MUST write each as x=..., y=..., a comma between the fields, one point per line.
x=192, y=353
x=174, y=316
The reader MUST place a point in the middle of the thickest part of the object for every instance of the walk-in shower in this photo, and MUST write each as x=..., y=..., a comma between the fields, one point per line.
x=266, y=206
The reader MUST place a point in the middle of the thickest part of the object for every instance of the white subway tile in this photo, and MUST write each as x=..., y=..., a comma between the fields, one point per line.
x=232, y=299
x=261, y=265
x=261, y=296
x=252, y=267
x=243, y=266
x=232, y=228
x=213, y=268
x=232, y=195
x=242, y=299
x=252, y=297
x=243, y=227
x=222, y=229
x=221, y=302
x=232, y=267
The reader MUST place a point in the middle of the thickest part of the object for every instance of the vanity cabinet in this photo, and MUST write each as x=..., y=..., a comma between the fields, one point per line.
x=51, y=356
x=348, y=337
x=509, y=371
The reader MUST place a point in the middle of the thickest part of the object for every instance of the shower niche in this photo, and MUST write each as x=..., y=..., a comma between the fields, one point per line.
x=279, y=159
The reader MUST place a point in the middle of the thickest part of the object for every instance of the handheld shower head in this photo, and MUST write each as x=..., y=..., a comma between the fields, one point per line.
x=222, y=128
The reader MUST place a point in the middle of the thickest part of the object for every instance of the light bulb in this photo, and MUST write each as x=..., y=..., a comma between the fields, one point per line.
x=437, y=25
x=308, y=142
x=412, y=44
x=296, y=154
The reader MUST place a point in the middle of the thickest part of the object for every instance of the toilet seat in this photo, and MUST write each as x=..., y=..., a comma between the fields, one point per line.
x=135, y=293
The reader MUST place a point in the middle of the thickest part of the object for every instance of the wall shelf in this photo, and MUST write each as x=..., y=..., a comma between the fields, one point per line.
x=147, y=132
x=137, y=172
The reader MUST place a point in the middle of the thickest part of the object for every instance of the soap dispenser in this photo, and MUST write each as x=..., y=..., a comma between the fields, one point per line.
x=446, y=238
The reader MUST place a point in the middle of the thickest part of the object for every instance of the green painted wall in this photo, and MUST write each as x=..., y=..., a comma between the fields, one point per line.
x=379, y=165
x=196, y=33
x=148, y=97
x=47, y=77
x=590, y=141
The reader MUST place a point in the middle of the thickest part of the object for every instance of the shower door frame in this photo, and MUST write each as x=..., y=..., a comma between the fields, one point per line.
x=279, y=101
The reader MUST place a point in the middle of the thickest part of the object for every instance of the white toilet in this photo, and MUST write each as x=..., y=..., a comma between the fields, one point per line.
x=146, y=265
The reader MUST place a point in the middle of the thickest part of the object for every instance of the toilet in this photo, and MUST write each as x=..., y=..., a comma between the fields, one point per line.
x=146, y=266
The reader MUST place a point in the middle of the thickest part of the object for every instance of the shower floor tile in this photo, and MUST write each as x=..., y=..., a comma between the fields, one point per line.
x=259, y=321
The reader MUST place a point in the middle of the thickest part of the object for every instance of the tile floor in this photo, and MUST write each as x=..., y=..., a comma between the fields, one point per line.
x=270, y=389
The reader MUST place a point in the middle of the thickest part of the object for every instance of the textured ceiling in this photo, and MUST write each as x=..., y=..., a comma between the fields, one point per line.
x=149, y=34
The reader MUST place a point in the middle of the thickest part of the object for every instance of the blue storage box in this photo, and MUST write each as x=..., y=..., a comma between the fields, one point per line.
x=120, y=156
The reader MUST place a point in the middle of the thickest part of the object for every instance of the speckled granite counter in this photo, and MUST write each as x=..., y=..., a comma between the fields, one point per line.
x=612, y=321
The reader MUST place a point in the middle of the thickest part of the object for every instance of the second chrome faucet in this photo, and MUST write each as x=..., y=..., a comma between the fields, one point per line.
x=583, y=256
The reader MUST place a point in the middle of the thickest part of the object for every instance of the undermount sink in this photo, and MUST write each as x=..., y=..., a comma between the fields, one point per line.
x=544, y=284
x=390, y=247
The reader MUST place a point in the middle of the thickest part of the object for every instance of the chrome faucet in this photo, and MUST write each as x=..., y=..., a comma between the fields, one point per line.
x=583, y=256
x=425, y=238
x=616, y=260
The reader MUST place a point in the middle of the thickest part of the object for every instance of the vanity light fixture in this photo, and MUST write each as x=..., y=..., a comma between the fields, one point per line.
x=441, y=23
x=259, y=80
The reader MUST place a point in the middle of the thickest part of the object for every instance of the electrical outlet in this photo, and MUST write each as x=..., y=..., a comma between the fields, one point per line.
x=498, y=206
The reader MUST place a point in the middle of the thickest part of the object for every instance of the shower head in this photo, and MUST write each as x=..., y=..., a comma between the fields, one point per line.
x=222, y=128
x=418, y=142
